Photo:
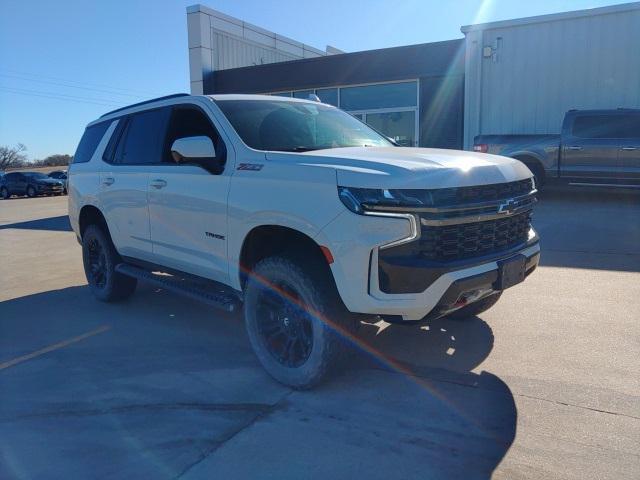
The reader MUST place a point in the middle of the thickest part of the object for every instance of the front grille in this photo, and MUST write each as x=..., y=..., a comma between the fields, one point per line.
x=443, y=197
x=457, y=242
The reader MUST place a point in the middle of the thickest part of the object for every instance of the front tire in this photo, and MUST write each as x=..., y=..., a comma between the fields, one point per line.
x=31, y=191
x=476, y=308
x=294, y=318
x=100, y=258
x=4, y=193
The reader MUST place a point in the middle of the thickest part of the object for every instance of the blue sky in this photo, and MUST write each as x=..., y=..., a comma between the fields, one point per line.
x=96, y=56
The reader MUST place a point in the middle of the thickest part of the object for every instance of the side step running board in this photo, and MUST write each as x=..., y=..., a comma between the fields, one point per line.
x=204, y=292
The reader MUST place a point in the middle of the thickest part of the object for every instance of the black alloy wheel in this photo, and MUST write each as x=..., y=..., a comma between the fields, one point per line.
x=295, y=318
x=285, y=326
x=31, y=191
x=97, y=263
x=4, y=193
x=100, y=259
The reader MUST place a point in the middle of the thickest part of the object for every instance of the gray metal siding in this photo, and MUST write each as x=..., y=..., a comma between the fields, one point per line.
x=230, y=52
x=541, y=70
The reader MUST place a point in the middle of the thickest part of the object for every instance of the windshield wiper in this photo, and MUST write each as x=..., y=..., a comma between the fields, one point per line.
x=296, y=149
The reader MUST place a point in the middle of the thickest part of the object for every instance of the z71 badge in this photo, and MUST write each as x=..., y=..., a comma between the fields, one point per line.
x=250, y=166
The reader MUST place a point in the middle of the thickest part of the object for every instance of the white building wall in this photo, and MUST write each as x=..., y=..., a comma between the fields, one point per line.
x=218, y=42
x=540, y=67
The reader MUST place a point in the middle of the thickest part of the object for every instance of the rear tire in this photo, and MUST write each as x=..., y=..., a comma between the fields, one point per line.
x=31, y=191
x=476, y=308
x=295, y=319
x=4, y=193
x=537, y=170
x=100, y=258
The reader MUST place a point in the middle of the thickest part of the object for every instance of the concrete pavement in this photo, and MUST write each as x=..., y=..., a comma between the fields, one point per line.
x=544, y=385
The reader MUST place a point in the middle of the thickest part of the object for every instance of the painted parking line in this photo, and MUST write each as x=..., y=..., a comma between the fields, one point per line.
x=55, y=346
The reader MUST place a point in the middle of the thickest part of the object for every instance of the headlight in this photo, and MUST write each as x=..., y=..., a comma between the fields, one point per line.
x=359, y=200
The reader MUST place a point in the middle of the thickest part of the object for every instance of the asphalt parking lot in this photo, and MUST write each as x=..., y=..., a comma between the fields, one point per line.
x=544, y=385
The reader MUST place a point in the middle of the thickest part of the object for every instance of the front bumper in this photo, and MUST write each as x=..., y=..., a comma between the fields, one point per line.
x=49, y=189
x=449, y=286
x=359, y=287
x=457, y=288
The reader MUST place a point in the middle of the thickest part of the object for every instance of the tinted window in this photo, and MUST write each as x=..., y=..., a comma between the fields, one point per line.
x=142, y=140
x=628, y=125
x=191, y=122
x=12, y=177
x=304, y=94
x=296, y=126
x=388, y=95
x=607, y=126
x=35, y=175
x=110, y=150
x=89, y=142
x=328, y=95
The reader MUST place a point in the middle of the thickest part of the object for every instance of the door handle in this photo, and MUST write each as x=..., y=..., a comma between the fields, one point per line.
x=158, y=183
x=629, y=148
x=108, y=181
x=574, y=147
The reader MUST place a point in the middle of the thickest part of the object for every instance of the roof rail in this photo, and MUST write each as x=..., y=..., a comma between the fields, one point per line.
x=167, y=97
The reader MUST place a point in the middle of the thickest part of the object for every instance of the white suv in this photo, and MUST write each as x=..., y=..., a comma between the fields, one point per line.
x=300, y=213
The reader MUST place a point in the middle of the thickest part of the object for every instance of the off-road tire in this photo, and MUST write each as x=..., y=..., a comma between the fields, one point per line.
x=31, y=191
x=309, y=282
x=113, y=286
x=4, y=193
x=476, y=308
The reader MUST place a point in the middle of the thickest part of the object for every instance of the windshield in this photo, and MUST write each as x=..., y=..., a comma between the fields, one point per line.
x=296, y=126
x=35, y=175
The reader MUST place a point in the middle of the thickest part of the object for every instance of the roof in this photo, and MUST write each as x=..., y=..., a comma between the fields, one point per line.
x=241, y=96
x=173, y=99
x=153, y=100
x=623, y=7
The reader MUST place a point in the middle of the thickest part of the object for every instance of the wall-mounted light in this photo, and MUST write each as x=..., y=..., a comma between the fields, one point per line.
x=491, y=51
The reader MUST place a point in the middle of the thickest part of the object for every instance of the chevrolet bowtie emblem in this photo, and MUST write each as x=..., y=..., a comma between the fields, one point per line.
x=507, y=207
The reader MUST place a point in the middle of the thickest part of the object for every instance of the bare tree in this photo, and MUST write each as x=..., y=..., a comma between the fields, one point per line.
x=12, y=156
x=57, y=160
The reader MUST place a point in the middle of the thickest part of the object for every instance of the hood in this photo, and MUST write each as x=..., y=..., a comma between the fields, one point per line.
x=404, y=167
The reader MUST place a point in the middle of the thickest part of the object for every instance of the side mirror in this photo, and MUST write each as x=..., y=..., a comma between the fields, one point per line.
x=198, y=150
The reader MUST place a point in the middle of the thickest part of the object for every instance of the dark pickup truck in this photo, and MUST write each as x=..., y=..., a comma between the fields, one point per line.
x=595, y=147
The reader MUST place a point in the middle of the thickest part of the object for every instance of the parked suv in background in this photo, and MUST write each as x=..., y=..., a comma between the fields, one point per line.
x=300, y=213
x=60, y=175
x=29, y=184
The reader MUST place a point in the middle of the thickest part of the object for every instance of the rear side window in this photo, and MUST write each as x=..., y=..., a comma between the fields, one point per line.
x=143, y=137
x=607, y=126
x=89, y=141
x=629, y=126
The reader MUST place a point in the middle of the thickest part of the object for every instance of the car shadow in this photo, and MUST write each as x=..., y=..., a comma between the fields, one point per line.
x=53, y=224
x=472, y=415
x=176, y=376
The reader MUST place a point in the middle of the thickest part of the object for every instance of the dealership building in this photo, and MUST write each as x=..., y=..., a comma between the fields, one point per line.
x=508, y=77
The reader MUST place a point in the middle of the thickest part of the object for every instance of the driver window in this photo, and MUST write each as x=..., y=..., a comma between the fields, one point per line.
x=188, y=121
